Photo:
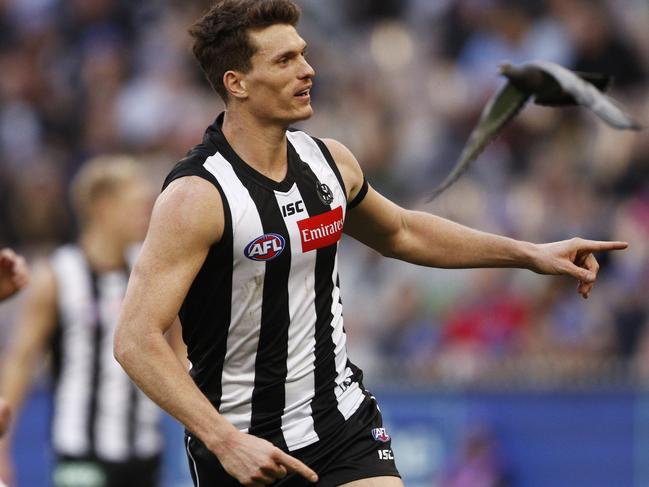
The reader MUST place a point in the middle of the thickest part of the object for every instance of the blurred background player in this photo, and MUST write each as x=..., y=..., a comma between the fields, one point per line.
x=105, y=433
x=13, y=277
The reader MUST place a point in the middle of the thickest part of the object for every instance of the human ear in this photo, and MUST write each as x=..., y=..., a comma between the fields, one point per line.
x=235, y=84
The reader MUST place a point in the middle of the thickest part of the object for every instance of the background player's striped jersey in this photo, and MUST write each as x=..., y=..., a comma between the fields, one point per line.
x=98, y=411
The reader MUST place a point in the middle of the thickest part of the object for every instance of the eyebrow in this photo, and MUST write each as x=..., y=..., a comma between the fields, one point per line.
x=289, y=52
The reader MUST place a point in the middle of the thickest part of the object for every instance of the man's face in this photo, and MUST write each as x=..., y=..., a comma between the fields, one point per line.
x=279, y=83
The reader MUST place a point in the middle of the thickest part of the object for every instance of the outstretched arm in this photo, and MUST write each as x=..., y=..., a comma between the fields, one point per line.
x=429, y=240
x=187, y=220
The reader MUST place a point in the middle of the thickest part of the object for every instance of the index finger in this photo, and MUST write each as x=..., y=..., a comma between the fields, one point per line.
x=599, y=245
x=292, y=464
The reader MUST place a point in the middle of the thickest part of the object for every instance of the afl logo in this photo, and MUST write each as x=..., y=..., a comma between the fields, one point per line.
x=265, y=248
x=381, y=435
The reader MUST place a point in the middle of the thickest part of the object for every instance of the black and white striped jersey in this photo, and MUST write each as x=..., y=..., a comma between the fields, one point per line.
x=263, y=318
x=98, y=411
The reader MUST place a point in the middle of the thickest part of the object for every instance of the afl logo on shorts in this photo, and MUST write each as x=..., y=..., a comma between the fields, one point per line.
x=379, y=434
x=265, y=248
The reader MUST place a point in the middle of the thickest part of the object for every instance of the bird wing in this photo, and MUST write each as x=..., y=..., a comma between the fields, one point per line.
x=500, y=109
x=588, y=95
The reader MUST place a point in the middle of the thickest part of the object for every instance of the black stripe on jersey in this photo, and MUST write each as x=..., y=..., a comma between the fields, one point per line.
x=268, y=395
x=133, y=402
x=324, y=406
x=332, y=163
x=96, y=365
x=206, y=312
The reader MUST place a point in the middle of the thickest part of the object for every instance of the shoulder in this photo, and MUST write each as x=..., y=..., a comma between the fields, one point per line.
x=193, y=164
x=348, y=166
x=190, y=206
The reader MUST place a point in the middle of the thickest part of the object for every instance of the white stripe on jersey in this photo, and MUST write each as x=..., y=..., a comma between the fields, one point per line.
x=114, y=388
x=238, y=377
x=72, y=399
x=297, y=422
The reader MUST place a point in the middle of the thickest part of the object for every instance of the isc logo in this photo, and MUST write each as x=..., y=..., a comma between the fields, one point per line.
x=293, y=208
x=386, y=454
x=265, y=248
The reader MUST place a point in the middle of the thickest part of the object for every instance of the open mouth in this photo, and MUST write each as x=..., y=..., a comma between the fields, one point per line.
x=304, y=94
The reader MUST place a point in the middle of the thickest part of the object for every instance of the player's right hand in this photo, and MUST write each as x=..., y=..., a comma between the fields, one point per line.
x=255, y=462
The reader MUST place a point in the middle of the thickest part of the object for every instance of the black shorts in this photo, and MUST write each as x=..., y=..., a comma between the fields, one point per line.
x=362, y=449
x=90, y=472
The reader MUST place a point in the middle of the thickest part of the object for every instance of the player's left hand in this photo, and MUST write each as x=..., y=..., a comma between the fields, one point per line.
x=13, y=273
x=575, y=258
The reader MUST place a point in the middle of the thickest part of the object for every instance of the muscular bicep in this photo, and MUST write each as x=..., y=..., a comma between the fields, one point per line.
x=187, y=220
x=376, y=222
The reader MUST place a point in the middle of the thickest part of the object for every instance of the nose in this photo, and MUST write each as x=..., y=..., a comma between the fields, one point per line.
x=307, y=70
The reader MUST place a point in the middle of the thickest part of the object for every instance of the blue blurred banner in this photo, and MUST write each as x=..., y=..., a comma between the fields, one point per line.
x=540, y=439
x=534, y=439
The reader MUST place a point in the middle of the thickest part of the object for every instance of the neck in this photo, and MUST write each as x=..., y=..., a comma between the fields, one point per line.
x=260, y=143
x=103, y=252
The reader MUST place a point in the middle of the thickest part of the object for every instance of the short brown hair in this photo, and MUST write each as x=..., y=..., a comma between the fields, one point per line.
x=221, y=40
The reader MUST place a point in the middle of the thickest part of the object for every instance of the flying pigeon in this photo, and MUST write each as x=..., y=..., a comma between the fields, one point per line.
x=550, y=85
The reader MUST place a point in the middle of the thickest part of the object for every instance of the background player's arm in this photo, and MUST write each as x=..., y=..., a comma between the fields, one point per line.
x=425, y=239
x=187, y=220
x=35, y=324
x=13, y=276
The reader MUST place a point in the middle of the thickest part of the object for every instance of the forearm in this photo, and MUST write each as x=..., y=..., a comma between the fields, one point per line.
x=152, y=365
x=15, y=379
x=433, y=241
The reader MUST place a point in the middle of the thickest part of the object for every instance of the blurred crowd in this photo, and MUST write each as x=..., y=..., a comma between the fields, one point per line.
x=401, y=83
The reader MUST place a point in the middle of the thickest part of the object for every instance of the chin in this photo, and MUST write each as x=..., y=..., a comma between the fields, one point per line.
x=304, y=114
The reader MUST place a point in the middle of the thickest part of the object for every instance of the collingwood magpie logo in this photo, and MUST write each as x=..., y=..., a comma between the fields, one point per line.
x=324, y=193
